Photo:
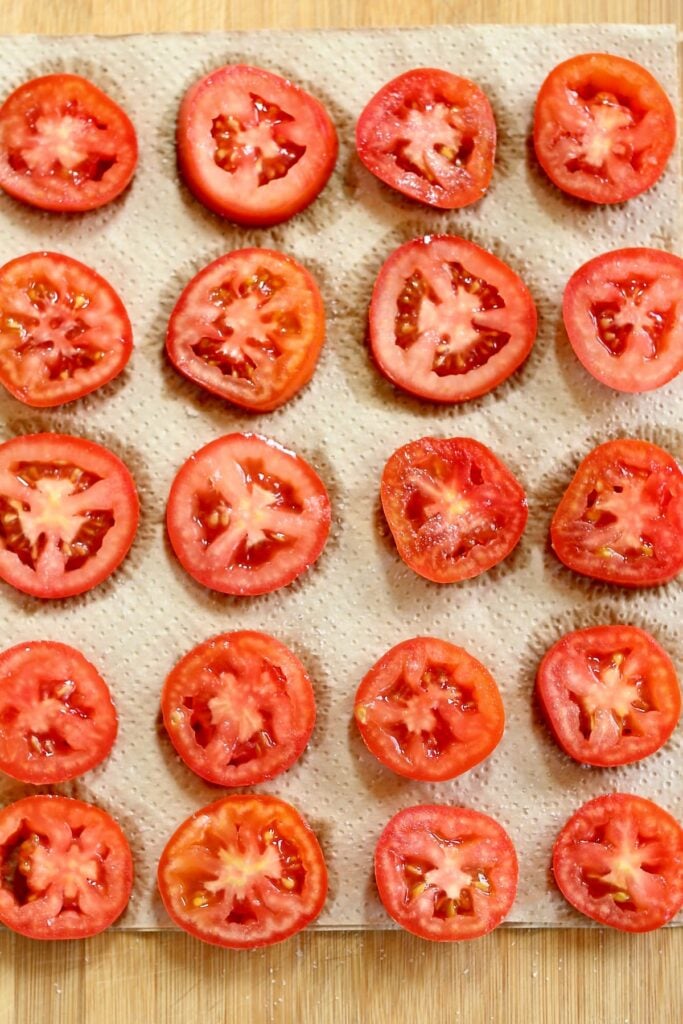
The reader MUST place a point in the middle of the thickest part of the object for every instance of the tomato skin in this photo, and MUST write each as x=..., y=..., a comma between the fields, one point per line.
x=222, y=915
x=48, y=191
x=283, y=708
x=427, y=855
x=450, y=693
x=265, y=390
x=637, y=293
x=637, y=111
x=245, y=203
x=383, y=122
x=103, y=866
x=601, y=849
x=636, y=485
x=609, y=672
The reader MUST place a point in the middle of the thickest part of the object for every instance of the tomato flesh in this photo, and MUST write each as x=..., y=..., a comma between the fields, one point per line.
x=245, y=871
x=619, y=860
x=446, y=873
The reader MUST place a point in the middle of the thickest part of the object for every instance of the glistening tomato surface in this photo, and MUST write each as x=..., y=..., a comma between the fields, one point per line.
x=239, y=708
x=623, y=312
x=66, y=869
x=429, y=710
x=619, y=860
x=63, y=329
x=245, y=871
x=68, y=514
x=621, y=518
x=604, y=128
x=249, y=327
x=448, y=320
x=453, y=508
x=252, y=146
x=65, y=145
x=430, y=135
x=246, y=516
x=57, y=719
x=446, y=873
x=610, y=693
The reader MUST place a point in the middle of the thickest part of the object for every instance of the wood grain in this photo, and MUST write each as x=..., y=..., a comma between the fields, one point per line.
x=510, y=977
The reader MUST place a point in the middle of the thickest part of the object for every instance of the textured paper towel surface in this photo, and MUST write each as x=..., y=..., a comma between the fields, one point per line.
x=360, y=599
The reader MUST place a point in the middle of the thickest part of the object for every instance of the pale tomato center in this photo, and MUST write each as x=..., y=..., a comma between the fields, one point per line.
x=603, y=133
x=239, y=868
x=261, y=141
x=449, y=876
x=618, y=510
x=234, y=702
x=432, y=140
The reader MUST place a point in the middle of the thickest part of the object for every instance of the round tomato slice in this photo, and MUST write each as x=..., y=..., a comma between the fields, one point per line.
x=621, y=518
x=446, y=873
x=239, y=708
x=57, y=719
x=246, y=516
x=245, y=871
x=453, y=508
x=430, y=135
x=448, y=320
x=604, y=128
x=429, y=710
x=249, y=327
x=66, y=869
x=623, y=312
x=65, y=145
x=252, y=146
x=619, y=860
x=63, y=329
x=68, y=514
x=610, y=693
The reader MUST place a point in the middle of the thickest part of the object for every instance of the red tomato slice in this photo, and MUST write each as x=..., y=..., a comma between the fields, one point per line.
x=448, y=320
x=610, y=693
x=430, y=135
x=57, y=719
x=65, y=145
x=429, y=710
x=249, y=327
x=246, y=516
x=239, y=708
x=619, y=860
x=446, y=873
x=68, y=514
x=66, y=869
x=252, y=146
x=623, y=312
x=63, y=329
x=453, y=508
x=621, y=518
x=604, y=128
x=245, y=871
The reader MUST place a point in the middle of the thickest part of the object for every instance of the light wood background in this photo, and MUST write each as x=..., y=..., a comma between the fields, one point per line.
x=512, y=976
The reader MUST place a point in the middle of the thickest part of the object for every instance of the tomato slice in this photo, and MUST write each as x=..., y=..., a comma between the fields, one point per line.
x=239, y=708
x=245, y=871
x=621, y=518
x=446, y=873
x=604, y=128
x=252, y=146
x=68, y=514
x=65, y=145
x=63, y=329
x=619, y=860
x=430, y=135
x=610, y=693
x=623, y=312
x=429, y=710
x=249, y=327
x=448, y=320
x=66, y=869
x=453, y=508
x=246, y=516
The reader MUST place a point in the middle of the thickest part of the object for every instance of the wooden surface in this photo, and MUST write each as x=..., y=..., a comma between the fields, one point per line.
x=511, y=977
